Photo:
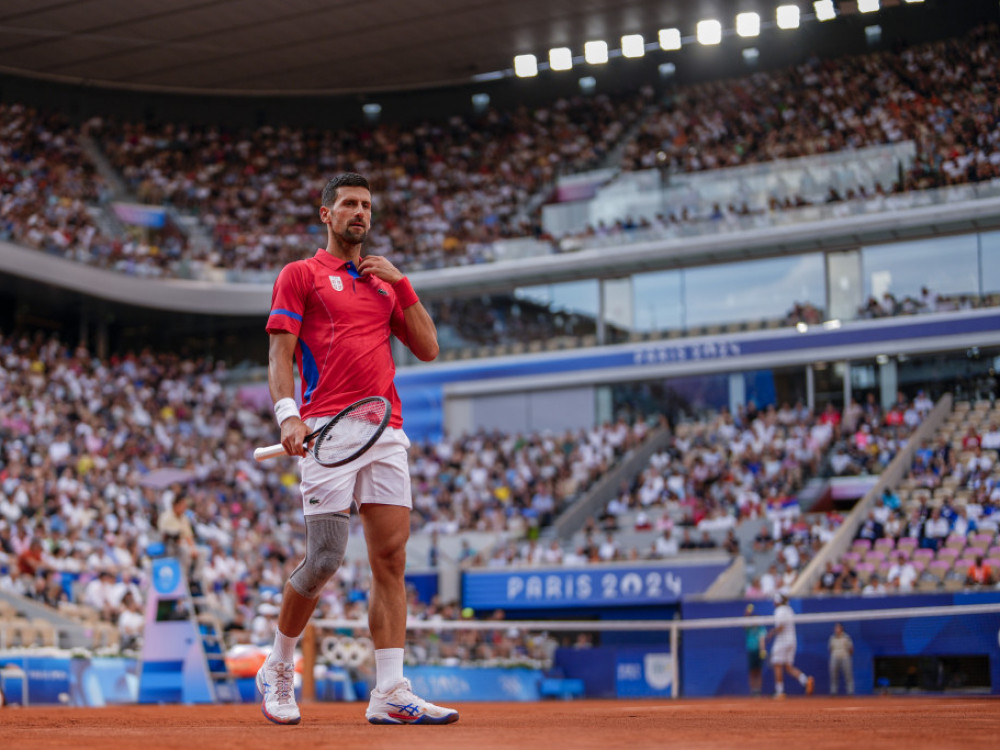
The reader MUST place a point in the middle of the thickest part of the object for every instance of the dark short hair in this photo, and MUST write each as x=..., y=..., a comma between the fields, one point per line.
x=347, y=179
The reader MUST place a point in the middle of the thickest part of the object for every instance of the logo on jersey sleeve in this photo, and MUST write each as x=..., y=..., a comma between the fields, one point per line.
x=337, y=283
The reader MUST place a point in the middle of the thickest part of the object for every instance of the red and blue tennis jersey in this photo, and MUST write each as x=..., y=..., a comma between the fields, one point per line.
x=343, y=322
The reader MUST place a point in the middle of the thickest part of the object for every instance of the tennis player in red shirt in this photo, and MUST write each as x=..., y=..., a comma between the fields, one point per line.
x=334, y=315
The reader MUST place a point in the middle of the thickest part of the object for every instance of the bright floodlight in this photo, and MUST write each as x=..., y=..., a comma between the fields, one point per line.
x=824, y=10
x=595, y=53
x=788, y=16
x=914, y=1
x=709, y=31
x=748, y=24
x=525, y=66
x=868, y=6
x=670, y=39
x=633, y=45
x=750, y=54
x=560, y=58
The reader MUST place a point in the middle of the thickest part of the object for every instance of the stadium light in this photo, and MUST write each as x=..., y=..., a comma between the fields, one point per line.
x=873, y=34
x=595, y=53
x=588, y=84
x=824, y=10
x=868, y=6
x=788, y=16
x=560, y=58
x=667, y=69
x=750, y=55
x=709, y=32
x=633, y=45
x=670, y=39
x=914, y=1
x=747, y=24
x=525, y=66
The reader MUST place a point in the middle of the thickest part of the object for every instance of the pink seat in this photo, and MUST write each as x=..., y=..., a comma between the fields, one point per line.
x=923, y=554
x=885, y=543
x=919, y=565
x=862, y=544
x=963, y=564
x=851, y=557
x=908, y=543
x=983, y=538
x=993, y=562
x=939, y=568
x=994, y=551
x=864, y=570
x=875, y=555
x=949, y=553
x=955, y=540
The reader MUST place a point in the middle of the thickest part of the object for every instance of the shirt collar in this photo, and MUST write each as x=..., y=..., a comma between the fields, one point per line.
x=336, y=264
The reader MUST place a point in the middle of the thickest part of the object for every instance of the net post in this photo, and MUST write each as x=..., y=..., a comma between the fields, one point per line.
x=675, y=661
x=309, y=663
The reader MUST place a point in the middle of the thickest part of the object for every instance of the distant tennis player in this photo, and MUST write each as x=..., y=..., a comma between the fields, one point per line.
x=783, y=651
x=334, y=315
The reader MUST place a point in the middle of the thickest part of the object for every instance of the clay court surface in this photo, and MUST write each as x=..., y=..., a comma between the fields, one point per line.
x=810, y=723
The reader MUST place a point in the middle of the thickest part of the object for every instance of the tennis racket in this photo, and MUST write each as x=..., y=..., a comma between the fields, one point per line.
x=345, y=437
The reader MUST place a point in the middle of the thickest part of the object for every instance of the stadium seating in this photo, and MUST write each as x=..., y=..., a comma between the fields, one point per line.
x=948, y=477
x=446, y=190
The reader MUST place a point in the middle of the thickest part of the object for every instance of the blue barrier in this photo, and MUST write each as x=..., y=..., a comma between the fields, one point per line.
x=714, y=661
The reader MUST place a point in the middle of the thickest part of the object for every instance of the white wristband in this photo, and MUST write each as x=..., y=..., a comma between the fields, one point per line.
x=285, y=408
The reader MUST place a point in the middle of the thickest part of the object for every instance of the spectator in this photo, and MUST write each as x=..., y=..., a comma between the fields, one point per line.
x=979, y=573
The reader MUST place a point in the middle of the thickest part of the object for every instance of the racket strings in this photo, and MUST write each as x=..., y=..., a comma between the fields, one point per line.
x=351, y=433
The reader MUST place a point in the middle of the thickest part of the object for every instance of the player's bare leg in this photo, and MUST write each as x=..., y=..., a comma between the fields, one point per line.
x=387, y=529
x=805, y=680
x=326, y=542
x=276, y=678
x=779, y=681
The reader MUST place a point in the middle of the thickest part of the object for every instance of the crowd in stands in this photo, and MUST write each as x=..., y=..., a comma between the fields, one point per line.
x=50, y=192
x=939, y=528
x=46, y=184
x=713, y=476
x=443, y=190
x=99, y=460
x=446, y=189
x=943, y=96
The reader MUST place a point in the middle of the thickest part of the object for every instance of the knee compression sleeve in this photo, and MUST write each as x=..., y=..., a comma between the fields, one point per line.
x=326, y=543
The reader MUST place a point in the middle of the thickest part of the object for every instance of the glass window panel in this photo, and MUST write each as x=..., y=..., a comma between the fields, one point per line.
x=657, y=301
x=947, y=266
x=784, y=288
x=989, y=243
x=571, y=297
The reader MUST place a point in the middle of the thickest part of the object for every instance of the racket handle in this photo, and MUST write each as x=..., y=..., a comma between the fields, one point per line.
x=271, y=451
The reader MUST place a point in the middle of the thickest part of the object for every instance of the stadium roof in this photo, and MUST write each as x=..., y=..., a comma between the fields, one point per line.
x=315, y=46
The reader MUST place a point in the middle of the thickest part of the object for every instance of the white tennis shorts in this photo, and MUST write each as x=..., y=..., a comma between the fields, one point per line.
x=381, y=475
x=783, y=653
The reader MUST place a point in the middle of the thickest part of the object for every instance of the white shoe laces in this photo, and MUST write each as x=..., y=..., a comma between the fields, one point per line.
x=284, y=675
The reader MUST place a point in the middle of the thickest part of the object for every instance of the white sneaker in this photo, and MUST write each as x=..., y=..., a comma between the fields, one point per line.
x=401, y=706
x=276, y=682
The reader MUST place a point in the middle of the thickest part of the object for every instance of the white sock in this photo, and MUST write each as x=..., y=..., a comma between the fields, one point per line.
x=779, y=689
x=388, y=668
x=284, y=648
x=803, y=679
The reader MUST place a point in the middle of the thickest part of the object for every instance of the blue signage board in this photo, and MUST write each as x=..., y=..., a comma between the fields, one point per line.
x=641, y=673
x=600, y=585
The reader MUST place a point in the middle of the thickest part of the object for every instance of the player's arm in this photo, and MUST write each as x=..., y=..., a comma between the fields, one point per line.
x=421, y=333
x=281, y=382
